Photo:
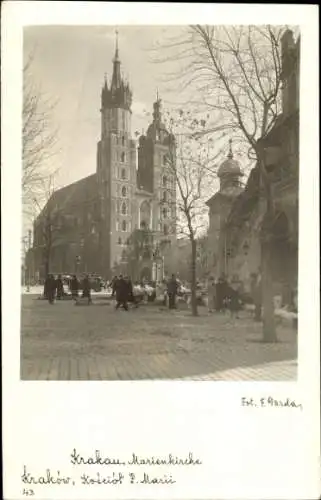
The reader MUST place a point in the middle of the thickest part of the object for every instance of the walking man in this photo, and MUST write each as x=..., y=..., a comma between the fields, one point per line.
x=121, y=290
x=172, y=287
x=74, y=287
x=86, y=292
x=59, y=287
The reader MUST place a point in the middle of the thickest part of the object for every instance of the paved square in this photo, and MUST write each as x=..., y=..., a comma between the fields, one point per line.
x=67, y=342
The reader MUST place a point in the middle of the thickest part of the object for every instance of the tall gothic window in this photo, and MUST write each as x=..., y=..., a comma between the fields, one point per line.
x=122, y=157
x=124, y=208
x=124, y=191
x=124, y=225
x=123, y=173
x=119, y=241
x=164, y=181
x=164, y=213
x=164, y=196
x=123, y=140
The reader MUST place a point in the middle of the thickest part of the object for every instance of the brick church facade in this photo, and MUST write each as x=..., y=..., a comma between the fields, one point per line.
x=86, y=226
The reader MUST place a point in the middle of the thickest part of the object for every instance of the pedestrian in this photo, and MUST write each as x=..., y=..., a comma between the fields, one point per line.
x=74, y=287
x=172, y=287
x=86, y=291
x=59, y=287
x=130, y=292
x=221, y=293
x=113, y=285
x=121, y=290
x=233, y=298
x=50, y=287
x=211, y=293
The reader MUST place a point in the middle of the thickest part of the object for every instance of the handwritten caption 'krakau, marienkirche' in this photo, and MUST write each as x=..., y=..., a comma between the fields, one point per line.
x=100, y=469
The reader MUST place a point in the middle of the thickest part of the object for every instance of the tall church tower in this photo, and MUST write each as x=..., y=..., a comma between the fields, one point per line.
x=116, y=167
x=155, y=175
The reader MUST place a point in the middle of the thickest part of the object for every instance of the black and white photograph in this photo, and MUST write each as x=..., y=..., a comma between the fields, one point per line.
x=160, y=187
x=160, y=202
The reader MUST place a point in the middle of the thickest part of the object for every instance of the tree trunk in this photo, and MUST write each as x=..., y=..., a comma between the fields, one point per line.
x=269, y=329
x=193, y=287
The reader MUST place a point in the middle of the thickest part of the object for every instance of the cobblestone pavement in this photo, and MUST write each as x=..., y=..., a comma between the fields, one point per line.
x=68, y=342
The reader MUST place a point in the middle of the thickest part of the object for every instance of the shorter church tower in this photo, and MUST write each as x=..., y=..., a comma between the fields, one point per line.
x=155, y=174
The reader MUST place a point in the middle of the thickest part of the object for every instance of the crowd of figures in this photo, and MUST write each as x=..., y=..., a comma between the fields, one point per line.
x=54, y=288
x=219, y=295
x=124, y=291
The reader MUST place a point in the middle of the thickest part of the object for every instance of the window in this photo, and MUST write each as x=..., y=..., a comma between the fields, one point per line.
x=164, y=211
x=124, y=191
x=119, y=241
x=123, y=141
x=164, y=159
x=124, y=225
x=123, y=173
x=124, y=208
x=122, y=157
x=164, y=196
x=164, y=181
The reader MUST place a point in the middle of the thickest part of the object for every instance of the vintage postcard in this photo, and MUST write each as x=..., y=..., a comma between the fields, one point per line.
x=160, y=251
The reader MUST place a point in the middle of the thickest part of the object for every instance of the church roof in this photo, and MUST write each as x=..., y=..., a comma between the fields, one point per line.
x=76, y=193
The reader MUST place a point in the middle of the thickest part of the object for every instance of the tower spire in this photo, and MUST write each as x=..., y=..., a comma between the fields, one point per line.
x=116, y=48
x=116, y=78
x=230, y=153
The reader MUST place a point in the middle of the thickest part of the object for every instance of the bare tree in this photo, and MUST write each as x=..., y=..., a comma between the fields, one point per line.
x=236, y=74
x=48, y=223
x=190, y=166
x=39, y=139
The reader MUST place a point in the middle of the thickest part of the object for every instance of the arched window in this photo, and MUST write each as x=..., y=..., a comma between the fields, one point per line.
x=164, y=213
x=164, y=181
x=124, y=191
x=145, y=214
x=122, y=157
x=124, y=225
x=123, y=141
x=119, y=241
x=124, y=208
x=143, y=225
x=123, y=173
x=164, y=196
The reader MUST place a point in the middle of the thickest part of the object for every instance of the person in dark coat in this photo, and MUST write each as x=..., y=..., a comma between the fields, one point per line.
x=113, y=285
x=86, y=290
x=233, y=299
x=121, y=290
x=172, y=287
x=221, y=294
x=130, y=292
x=50, y=288
x=74, y=287
x=59, y=287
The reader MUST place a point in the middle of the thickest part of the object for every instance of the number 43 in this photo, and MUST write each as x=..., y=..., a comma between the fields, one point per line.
x=28, y=493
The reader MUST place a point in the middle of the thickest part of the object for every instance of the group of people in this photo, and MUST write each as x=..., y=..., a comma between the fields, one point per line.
x=223, y=295
x=54, y=288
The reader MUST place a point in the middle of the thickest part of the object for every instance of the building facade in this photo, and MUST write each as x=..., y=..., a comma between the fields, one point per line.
x=235, y=226
x=90, y=222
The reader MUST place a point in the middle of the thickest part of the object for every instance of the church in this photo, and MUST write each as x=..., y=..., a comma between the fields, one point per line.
x=86, y=226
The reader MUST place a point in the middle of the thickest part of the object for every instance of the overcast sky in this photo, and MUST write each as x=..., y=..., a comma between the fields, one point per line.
x=69, y=62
